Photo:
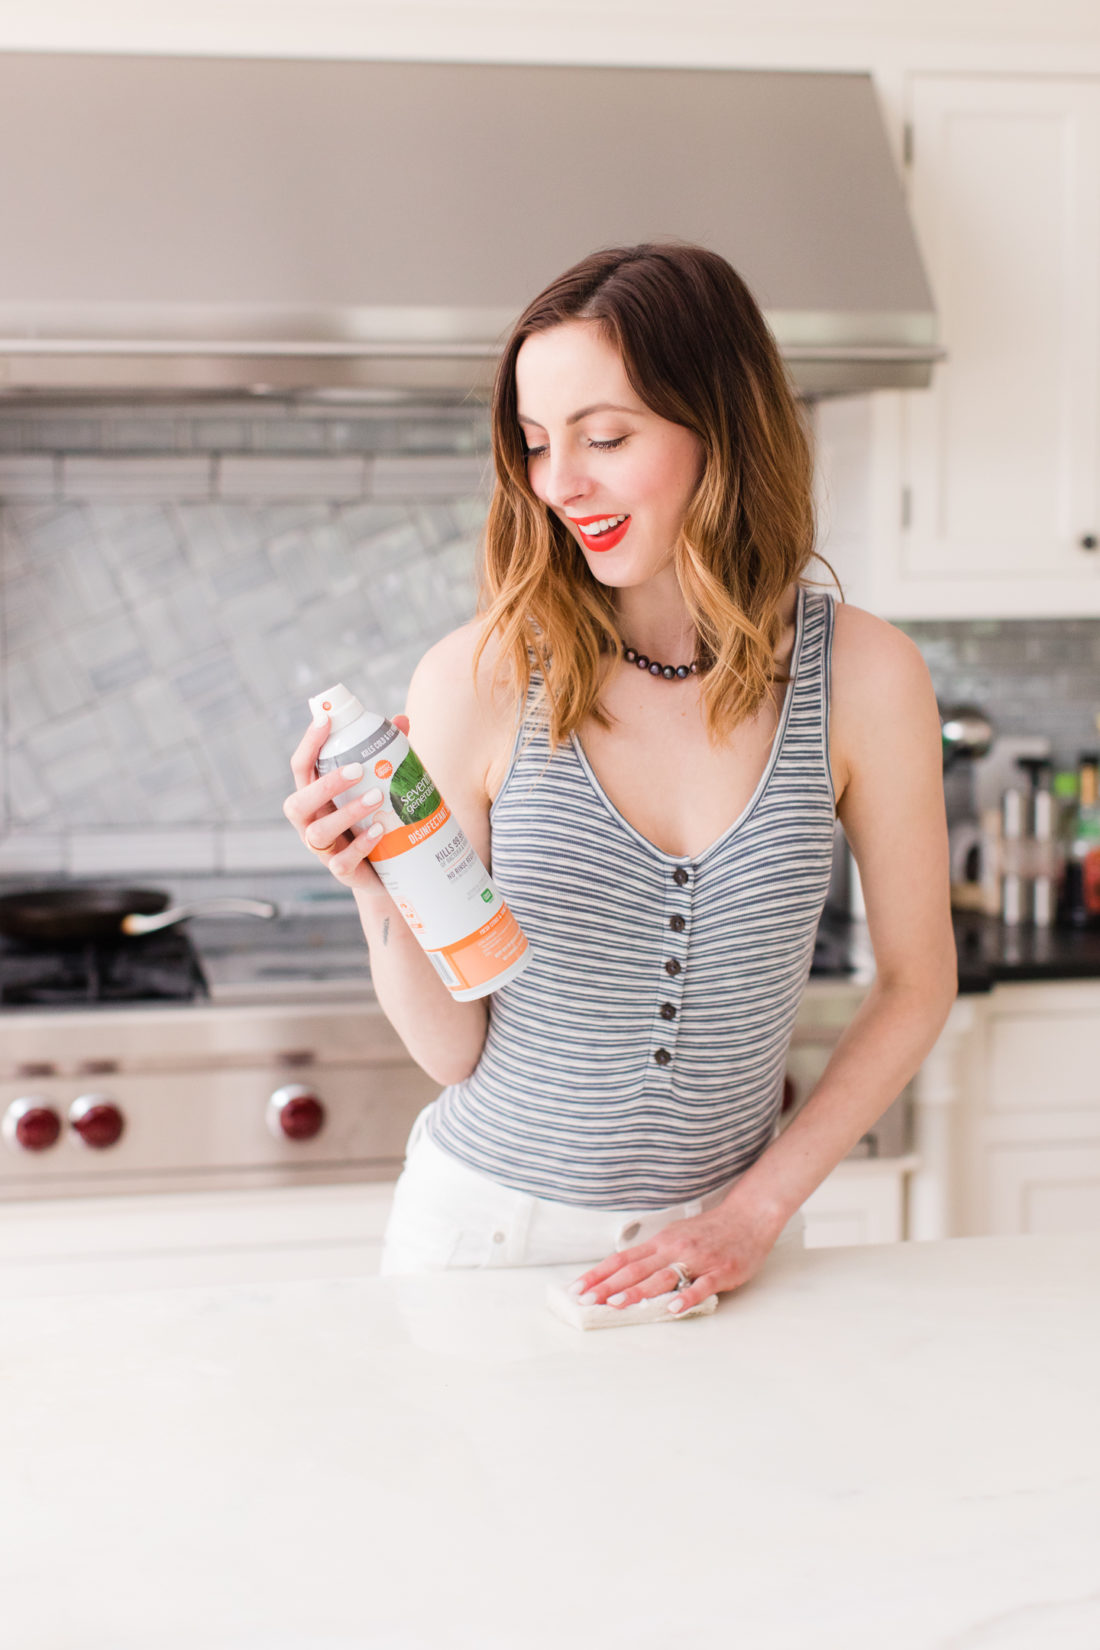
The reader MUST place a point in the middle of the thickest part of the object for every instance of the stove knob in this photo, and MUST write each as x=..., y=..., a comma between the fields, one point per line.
x=295, y=1113
x=30, y=1124
x=96, y=1120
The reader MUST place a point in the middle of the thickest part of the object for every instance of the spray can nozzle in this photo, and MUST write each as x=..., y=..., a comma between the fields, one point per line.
x=340, y=706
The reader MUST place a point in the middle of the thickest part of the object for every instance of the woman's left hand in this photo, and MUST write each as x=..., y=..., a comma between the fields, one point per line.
x=720, y=1249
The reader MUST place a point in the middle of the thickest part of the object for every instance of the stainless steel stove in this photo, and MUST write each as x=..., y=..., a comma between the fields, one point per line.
x=225, y=1053
x=161, y=967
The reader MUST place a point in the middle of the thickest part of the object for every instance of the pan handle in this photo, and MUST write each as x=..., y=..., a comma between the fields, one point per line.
x=139, y=924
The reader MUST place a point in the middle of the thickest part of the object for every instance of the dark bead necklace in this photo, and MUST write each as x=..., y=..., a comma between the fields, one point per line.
x=670, y=672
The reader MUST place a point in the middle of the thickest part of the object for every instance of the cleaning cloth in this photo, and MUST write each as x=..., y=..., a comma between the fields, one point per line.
x=655, y=1310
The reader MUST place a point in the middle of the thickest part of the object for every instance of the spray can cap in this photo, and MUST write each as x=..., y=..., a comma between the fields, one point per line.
x=340, y=706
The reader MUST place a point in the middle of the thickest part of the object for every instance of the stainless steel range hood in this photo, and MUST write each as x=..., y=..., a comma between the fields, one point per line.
x=176, y=225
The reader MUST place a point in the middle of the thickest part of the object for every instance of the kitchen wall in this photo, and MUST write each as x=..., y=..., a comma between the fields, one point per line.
x=178, y=580
x=174, y=583
x=1030, y=676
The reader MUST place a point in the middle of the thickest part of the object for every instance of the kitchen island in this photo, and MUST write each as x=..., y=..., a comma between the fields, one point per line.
x=863, y=1448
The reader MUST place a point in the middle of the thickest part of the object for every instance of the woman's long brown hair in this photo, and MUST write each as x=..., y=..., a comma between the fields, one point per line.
x=699, y=353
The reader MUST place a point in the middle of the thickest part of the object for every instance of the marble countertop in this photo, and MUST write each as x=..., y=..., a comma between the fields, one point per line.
x=892, y=1446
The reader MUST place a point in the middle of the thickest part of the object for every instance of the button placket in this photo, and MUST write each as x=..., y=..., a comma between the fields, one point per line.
x=676, y=928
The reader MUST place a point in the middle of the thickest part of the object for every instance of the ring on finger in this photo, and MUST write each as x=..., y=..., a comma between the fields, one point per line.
x=323, y=847
x=683, y=1275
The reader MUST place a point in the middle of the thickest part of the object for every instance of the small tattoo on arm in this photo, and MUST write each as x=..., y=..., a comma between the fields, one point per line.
x=386, y=931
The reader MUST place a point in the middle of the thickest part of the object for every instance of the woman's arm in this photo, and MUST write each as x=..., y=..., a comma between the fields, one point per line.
x=450, y=728
x=453, y=729
x=891, y=804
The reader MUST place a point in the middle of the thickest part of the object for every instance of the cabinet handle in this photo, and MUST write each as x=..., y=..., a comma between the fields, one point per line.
x=1087, y=541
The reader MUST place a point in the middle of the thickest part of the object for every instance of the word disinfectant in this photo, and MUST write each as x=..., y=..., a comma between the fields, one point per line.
x=424, y=857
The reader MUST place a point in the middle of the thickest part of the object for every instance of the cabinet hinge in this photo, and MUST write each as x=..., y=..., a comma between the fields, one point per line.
x=906, y=507
x=907, y=143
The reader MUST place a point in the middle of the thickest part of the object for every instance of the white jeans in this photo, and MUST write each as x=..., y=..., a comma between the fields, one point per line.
x=445, y=1214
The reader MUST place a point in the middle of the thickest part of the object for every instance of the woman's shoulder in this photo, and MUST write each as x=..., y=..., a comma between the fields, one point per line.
x=879, y=681
x=464, y=709
x=449, y=666
x=866, y=647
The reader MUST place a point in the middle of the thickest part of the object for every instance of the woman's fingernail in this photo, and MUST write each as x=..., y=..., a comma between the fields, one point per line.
x=576, y=1288
x=374, y=830
x=354, y=770
x=320, y=720
x=589, y=1299
x=676, y=1306
x=617, y=1300
x=370, y=798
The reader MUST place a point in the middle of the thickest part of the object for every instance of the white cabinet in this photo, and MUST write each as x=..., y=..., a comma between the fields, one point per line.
x=1032, y=1187
x=172, y=1240
x=985, y=493
x=1031, y=1146
x=862, y=1201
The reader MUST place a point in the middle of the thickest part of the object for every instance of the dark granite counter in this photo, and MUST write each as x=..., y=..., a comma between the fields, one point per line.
x=989, y=952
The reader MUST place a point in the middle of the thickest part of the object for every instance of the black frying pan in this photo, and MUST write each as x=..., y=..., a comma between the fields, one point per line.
x=82, y=912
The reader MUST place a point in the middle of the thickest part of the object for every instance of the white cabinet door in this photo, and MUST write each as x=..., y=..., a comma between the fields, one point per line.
x=985, y=493
x=180, y=1240
x=1035, y=1189
x=862, y=1201
x=1001, y=453
x=1032, y=1154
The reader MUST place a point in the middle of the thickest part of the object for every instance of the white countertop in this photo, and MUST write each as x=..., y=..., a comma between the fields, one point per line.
x=886, y=1448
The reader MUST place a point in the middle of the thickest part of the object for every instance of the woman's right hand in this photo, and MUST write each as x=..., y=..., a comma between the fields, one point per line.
x=326, y=829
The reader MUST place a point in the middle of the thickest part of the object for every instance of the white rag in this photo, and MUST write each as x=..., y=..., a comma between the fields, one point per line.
x=570, y=1310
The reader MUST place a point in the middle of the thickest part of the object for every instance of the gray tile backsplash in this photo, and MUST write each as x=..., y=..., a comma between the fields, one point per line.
x=178, y=579
x=1029, y=676
x=176, y=583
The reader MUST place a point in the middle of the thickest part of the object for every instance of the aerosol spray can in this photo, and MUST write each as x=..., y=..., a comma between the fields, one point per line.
x=423, y=857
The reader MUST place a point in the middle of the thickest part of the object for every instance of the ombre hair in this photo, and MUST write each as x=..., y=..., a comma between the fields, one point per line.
x=698, y=352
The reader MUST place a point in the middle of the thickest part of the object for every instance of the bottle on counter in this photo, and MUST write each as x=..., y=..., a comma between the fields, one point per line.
x=1041, y=858
x=1013, y=861
x=1081, y=887
x=990, y=862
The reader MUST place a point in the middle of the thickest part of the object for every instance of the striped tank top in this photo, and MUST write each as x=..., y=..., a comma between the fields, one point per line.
x=639, y=1059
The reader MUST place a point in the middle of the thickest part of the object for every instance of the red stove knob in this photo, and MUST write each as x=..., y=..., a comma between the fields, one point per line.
x=96, y=1120
x=31, y=1124
x=294, y=1112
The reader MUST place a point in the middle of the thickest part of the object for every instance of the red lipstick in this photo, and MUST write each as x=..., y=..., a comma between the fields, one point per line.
x=601, y=541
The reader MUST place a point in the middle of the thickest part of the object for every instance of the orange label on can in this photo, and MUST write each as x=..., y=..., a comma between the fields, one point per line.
x=491, y=949
x=404, y=837
x=383, y=769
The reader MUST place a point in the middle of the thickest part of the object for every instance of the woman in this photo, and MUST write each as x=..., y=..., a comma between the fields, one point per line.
x=648, y=733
